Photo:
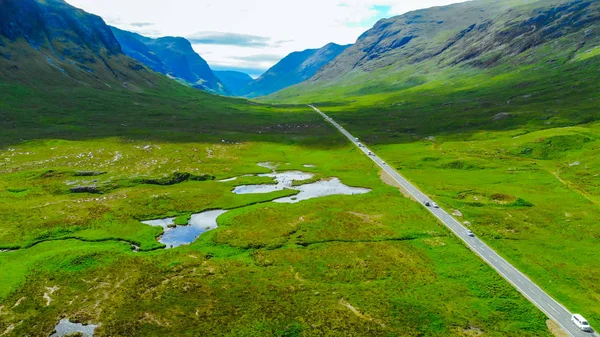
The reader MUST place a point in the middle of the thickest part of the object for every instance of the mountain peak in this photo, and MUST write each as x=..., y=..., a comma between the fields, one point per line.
x=293, y=69
x=64, y=43
x=173, y=56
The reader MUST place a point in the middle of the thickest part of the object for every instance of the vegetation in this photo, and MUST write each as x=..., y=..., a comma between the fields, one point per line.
x=513, y=149
x=501, y=130
x=373, y=264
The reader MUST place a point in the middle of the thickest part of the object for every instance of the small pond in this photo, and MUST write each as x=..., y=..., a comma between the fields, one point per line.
x=66, y=328
x=284, y=180
x=322, y=189
x=183, y=235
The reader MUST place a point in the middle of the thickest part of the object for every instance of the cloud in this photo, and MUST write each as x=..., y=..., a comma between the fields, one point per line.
x=234, y=29
x=259, y=58
x=141, y=24
x=229, y=39
x=370, y=16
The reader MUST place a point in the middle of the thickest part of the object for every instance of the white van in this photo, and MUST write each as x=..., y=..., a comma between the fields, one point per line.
x=581, y=323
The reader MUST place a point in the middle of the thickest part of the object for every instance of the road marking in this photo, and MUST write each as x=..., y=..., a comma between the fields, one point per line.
x=455, y=227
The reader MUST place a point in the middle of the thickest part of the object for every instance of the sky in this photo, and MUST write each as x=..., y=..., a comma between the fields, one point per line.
x=251, y=35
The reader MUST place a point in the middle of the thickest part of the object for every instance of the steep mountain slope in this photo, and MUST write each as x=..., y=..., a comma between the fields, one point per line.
x=132, y=45
x=52, y=42
x=293, y=69
x=234, y=81
x=173, y=56
x=416, y=47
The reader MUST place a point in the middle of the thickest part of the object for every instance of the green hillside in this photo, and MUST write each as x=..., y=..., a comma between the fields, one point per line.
x=441, y=44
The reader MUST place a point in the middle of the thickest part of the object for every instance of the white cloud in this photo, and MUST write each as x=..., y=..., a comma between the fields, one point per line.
x=283, y=26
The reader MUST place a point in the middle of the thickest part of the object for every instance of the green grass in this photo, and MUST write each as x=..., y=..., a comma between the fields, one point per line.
x=538, y=212
x=528, y=183
x=374, y=264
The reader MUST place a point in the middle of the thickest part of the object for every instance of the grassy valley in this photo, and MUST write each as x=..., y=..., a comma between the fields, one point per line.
x=93, y=146
x=372, y=264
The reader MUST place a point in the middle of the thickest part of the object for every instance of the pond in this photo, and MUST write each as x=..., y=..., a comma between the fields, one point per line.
x=284, y=180
x=322, y=189
x=66, y=328
x=175, y=236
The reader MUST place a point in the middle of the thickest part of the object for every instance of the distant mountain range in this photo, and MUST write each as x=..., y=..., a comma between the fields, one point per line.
x=172, y=56
x=293, y=69
x=235, y=81
x=50, y=41
x=176, y=57
x=414, y=48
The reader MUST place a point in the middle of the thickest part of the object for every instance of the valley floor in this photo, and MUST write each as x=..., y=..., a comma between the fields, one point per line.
x=372, y=264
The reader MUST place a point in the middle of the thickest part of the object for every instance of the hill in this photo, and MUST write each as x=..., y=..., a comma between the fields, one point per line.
x=51, y=42
x=421, y=46
x=293, y=69
x=132, y=45
x=234, y=81
x=172, y=56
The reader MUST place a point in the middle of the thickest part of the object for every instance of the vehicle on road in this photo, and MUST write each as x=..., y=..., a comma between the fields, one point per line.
x=470, y=233
x=581, y=323
x=427, y=203
x=382, y=163
x=356, y=139
x=360, y=145
x=370, y=153
x=435, y=205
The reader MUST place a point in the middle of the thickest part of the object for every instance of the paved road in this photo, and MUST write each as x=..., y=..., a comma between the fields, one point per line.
x=522, y=283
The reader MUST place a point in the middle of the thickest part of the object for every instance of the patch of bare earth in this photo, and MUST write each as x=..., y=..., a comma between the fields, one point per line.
x=358, y=314
x=555, y=329
x=372, y=219
x=51, y=290
x=386, y=178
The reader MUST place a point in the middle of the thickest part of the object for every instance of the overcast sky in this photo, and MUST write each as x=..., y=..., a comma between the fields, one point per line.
x=251, y=35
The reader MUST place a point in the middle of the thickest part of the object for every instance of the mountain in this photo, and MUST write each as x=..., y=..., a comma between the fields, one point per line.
x=413, y=49
x=50, y=41
x=235, y=81
x=173, y=56
x=293, y=69
x=132, y=45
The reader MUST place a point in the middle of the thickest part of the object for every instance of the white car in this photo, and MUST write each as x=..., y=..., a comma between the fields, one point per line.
x=435, y=205
x=581, y=323
x=356, y=139
x=470, y=233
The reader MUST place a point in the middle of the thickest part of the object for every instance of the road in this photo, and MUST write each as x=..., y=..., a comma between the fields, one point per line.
x=522, y=283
